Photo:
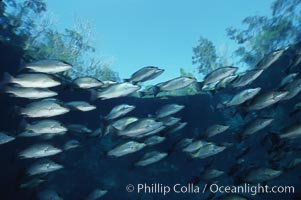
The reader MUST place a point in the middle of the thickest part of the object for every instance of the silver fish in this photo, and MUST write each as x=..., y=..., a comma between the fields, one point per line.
x=194, y=146
x=149, y=90
x=78, y=128
x=43, y=166
x=151, y=132
x=126, y=148
x=216, y=129
x=145, y=74
x=44, y=108
x=48, y=195
x=96, y=194
x=183, y=143
x=39, y=151
x=150, y=158
x=207, y=150
x=119, y=111
x=71, y=144
x=246, y=78
x=80, y=105
x=288, y=79
x=168, y=109
x=178, y=127
x=219, y=74
x=123, y=122
x=270, y=59
x=48, y=66
x=115, y=91
x=45, y=126
x=291, y=132
x=242, y=97
x=209, y=174
x=107, y=83
x=293, y=89
x=296, y=62
x=261, y=175
x=175, y=84
x=170, y=121
x=45, y=136
x=257, y=125
x=226, y=82
x=32, y=80
x=32, y=183
x=210, y=87
x=294, y=163
x=96, y=133
x=153, y=140
x=30, y=93
x=266, y=99
x=140, y=127
x=87, y=82
x=4, y=138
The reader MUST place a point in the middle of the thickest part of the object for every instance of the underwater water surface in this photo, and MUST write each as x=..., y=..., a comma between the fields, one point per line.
x=88, y=166
x=73, y=128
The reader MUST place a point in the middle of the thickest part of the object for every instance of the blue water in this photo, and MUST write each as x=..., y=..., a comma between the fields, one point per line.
x=88, y=167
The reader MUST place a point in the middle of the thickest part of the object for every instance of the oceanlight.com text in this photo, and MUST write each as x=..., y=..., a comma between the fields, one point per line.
x=158, y=188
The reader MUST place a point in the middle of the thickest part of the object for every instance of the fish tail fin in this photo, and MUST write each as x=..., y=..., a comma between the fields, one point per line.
x=94, y=95
x=274, y=137
x=23, y=124
x=6, y=89
x=155, y=90
x=198, y=86
x=234, y=112
x=295, y=112
x=106, y=126
x=67, y=86
x=220, y=106
x=151, y=116
x=7, y=78
x=242, y=111
x=102, y=117
x=17, y=110
x=141, y=94
x=22, y=65
x=212, y=93
x=104, y=120
x=107, y=130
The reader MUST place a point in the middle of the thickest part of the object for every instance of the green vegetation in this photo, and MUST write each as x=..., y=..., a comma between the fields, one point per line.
x=260, y=36
x=205, y=56
x=26, y=25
